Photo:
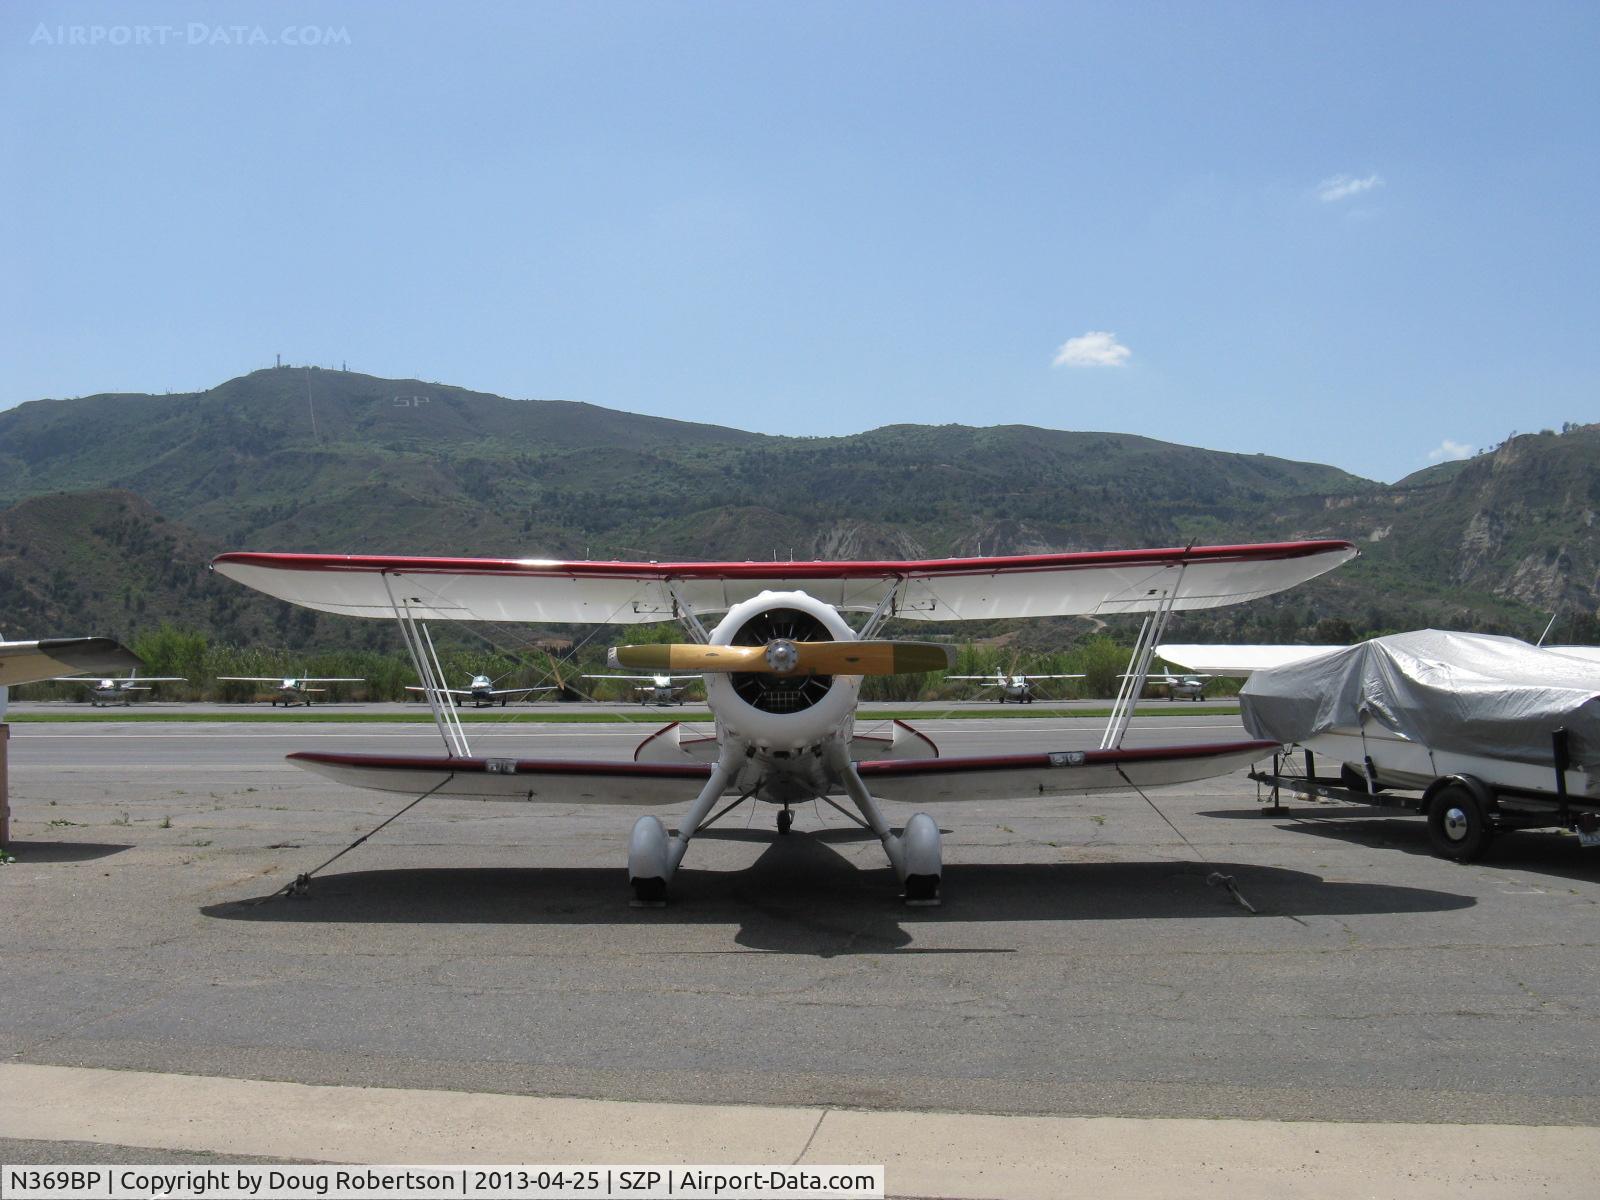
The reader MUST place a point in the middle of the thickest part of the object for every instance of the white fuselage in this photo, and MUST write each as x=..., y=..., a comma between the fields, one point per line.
x=1186, y=687
x=660, y=690
x=1016, y=688
x=112, y=691
x=291, y=692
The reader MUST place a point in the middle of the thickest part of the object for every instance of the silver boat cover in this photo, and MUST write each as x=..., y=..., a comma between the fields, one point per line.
x=1470, y=693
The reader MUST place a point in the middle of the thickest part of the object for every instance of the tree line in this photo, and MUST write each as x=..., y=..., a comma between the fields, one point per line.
x=176, y=650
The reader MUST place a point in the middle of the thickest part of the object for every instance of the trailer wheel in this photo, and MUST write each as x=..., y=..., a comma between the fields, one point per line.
x=1457, y=825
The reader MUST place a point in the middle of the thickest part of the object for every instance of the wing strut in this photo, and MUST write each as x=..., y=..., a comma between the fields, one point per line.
x=687, y=616
x=882, y=613
x=1144, y=648
x=419, y=643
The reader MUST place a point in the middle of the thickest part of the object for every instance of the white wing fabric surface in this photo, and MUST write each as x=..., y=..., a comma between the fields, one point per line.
x=540, y=590
x=916, y=780
x=1237, y=662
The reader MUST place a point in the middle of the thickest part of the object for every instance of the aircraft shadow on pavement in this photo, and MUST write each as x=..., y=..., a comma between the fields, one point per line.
x=802, y=897
x=62, y=852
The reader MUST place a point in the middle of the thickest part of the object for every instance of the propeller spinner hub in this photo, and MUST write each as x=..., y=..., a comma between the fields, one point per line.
x=782, y=656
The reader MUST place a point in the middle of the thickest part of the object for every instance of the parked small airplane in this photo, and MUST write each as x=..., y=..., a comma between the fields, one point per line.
x=655, y=689
x=292, y=688
x=1179, y=687
x=34, y=662
x=118, y=690
x=482, y=692
x=783, y=670
x=1016, y=688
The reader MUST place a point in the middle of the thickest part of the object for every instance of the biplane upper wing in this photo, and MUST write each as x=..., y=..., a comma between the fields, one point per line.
x=31, y=662
x=951, y=589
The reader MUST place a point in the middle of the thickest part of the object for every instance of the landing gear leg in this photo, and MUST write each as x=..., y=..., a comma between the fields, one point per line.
x=785, y=820
x=916, y=854
x=654, y=855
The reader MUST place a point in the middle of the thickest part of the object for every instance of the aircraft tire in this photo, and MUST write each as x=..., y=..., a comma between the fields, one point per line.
x=649, y=893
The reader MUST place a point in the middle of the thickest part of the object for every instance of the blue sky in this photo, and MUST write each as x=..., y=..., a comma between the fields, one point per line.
x=1361, y=234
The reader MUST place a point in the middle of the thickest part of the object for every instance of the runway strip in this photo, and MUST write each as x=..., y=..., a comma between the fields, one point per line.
x=931, y=1155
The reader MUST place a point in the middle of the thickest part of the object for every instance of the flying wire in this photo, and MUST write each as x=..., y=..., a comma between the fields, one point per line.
x=1216, y=878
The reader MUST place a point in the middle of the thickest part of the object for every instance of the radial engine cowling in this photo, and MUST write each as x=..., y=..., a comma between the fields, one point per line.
x=782, y=712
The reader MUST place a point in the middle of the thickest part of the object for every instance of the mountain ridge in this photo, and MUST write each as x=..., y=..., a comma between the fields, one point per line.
x=312, y=459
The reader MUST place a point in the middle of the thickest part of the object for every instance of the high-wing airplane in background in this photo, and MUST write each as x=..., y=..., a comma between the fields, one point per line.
x=291, y=689
x=482, y=692
x=1016, y=688
x=783, y=670
x=106, y=691
x=655, y=689
x=1179, y=687
x=35, y=662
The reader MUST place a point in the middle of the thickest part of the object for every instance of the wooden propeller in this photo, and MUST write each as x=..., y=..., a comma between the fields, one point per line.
x=784, y=657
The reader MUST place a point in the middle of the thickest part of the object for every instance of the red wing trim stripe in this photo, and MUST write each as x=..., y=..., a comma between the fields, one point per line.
x=876, y=769
x=368, y=563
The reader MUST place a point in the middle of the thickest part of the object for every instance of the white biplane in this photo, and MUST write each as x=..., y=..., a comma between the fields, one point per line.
x=783, y=670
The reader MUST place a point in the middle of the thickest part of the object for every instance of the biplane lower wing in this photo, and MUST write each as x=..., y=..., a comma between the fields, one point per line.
x=977, y=777
x=1055, y=772
x=550, y=781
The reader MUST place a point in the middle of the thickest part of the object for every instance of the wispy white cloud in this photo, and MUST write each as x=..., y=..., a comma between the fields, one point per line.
x=1342, y=187
x=1092, y=349
x=1449, y=451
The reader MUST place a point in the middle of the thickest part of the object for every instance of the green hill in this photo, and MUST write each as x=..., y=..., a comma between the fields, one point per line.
x=309, y=459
